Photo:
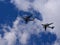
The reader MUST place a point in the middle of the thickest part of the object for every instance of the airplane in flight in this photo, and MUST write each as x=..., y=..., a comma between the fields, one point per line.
x=28, y=18
x=45, y=26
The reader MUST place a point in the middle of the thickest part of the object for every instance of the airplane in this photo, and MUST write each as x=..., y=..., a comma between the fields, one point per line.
x=27, y=18
x=45, y=26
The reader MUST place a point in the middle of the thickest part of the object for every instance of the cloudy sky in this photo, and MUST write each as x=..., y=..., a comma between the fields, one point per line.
x=49, y=12
x=49, y=9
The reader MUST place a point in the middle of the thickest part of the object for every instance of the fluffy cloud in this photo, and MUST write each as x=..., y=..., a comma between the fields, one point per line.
x=26, y=5
x=49, y=9
x=21, y=30
x=21, y=4
x=3, y=41
x=51, y=13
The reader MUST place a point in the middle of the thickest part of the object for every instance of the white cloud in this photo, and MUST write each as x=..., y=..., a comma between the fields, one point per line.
x=26, y=5
x=22, y=30
x=10, y=37
x=24, y=38
x=21, y=4
x=50, y=11
x=51, y=14
x=3, y=41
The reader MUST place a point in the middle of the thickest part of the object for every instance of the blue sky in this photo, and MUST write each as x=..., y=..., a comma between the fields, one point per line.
x=8, y=13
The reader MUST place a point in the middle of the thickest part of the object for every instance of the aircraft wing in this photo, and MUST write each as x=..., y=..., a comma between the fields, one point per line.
x=51, y=23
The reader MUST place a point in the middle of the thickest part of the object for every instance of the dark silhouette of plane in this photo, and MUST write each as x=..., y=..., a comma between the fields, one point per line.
x=27, y=18
x=45, y=26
